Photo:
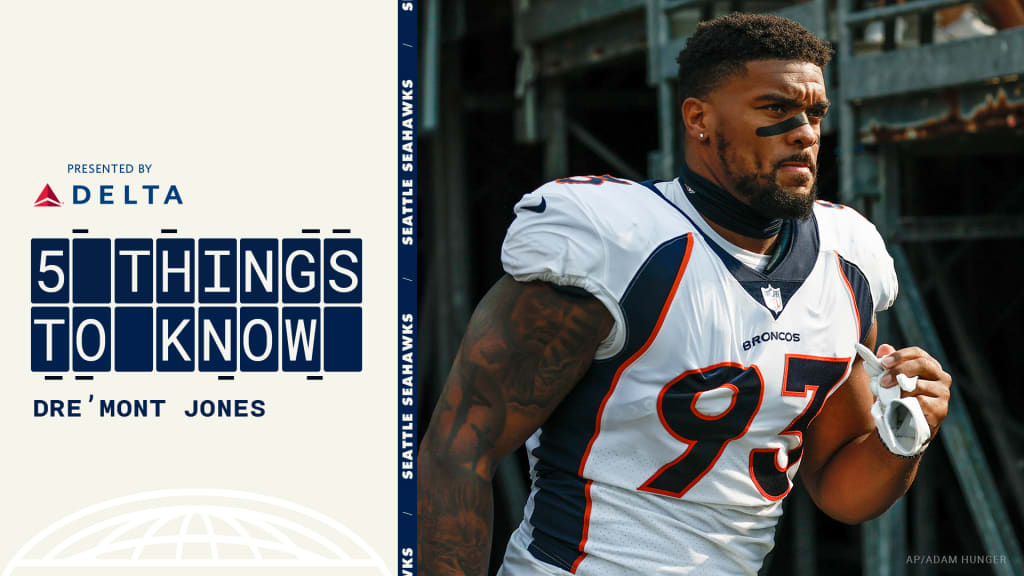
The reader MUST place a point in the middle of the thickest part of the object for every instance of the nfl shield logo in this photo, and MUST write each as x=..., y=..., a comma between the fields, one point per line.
x=772, y=298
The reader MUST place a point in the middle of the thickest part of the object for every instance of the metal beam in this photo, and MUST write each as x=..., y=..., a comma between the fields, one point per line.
x=657, y=34
x=556, y=132
x=932, y=228
x=958, y=436
x=605, y=153
x=931, y=67
x=984, y=388
x=810, y=15
x=885, y=542
x=662, y=69
x=544, y=20
x=593, y=45
x=847, y=113
x=805, y=548
x=924, y=506
x=672, y=5
x=668, y=69
x=450, y=235
x=527, y=122
x=953, y=256
x=940, y=123
x=431, y=67
x=670, y=118
x=894, y=10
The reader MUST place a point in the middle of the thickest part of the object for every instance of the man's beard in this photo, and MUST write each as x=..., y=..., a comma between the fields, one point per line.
x=764, y=194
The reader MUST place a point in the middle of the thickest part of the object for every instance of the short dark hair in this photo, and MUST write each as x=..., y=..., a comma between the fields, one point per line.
x=722, y=47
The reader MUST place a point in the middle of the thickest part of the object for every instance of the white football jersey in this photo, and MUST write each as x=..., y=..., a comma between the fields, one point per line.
x=673, y=453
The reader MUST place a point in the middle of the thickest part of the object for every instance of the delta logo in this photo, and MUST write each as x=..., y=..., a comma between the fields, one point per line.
x=105, y=194
x=48, y=198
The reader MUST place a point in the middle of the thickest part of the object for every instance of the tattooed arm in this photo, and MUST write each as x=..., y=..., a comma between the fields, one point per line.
x=526, y=347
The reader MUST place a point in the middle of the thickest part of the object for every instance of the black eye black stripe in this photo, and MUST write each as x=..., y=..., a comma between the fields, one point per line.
x=786, y=125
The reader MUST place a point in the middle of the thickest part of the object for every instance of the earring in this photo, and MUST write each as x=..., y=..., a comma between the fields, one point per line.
x=701, y=135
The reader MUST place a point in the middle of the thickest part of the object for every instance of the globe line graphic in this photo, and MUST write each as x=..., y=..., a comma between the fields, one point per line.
x=115, y=537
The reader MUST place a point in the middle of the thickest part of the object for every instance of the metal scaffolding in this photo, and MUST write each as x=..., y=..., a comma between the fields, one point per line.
x=898, y=102
x=887, y=98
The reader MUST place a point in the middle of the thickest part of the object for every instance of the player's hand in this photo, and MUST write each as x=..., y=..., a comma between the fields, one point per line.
x=933, y=383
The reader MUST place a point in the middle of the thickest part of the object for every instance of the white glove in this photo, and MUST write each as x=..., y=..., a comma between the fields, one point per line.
x=900, y=421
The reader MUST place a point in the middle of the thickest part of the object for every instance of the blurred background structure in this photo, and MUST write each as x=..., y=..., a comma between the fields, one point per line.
x=925, y=137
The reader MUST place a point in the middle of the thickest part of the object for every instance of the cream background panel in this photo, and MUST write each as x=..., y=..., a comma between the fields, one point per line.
x=269, y=117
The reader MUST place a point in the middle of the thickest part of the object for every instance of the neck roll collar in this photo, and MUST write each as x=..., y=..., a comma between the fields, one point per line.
x=724, y=209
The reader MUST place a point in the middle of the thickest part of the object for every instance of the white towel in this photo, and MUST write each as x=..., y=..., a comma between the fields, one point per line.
x=900, y=421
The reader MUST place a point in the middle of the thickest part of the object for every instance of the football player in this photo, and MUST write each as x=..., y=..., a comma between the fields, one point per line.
x=673, y=353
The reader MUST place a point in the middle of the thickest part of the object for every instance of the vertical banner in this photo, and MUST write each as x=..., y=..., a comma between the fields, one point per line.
x=407, y=248
x=205, y=260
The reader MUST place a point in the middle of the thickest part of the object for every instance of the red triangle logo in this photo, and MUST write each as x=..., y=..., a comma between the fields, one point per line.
x=48, y=198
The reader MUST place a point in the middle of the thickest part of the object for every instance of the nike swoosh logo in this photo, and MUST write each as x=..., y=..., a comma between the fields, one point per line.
x=539, y=207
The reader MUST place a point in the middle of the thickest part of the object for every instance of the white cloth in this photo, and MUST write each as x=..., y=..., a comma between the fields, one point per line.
x=900, y=421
